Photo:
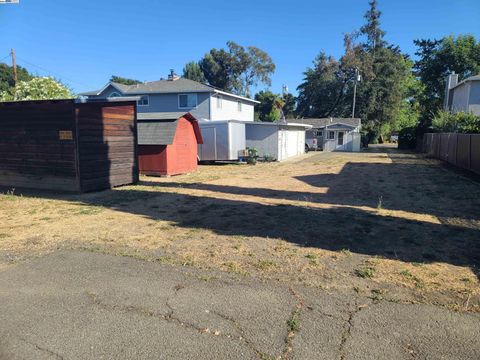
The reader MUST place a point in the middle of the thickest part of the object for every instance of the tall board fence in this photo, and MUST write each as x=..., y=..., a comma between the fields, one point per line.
x=462, y=150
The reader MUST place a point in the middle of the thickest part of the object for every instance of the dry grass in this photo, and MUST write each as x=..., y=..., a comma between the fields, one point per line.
x=314, y=220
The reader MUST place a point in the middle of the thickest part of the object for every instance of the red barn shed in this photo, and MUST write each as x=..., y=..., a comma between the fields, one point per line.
x=168, y=144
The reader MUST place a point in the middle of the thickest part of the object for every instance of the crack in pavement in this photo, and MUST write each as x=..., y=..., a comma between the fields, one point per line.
x=291, y=330
x=242, y=336
x=169, y=317
x=348, y=327
x=45, y=350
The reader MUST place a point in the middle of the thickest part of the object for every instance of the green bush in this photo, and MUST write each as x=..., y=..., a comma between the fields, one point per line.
x=252, y=156
x=461, y=122
x=407, y=138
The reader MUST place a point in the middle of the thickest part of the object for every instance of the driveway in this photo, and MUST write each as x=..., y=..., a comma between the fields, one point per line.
x=85, y=305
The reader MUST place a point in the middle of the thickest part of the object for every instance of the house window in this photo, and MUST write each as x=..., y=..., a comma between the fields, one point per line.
x=219, y=102
x=239, y=106
x=143, y=101
x=331, y=135
x=114, y=95
x=320, y=133
x=187, y=101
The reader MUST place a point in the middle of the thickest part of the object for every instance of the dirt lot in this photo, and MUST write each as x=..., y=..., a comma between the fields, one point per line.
x=384, y=224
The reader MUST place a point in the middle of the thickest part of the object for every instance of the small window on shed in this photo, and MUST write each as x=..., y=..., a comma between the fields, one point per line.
x=144, y=100
x=239, y=106
x=187, y=101
x=331, y=135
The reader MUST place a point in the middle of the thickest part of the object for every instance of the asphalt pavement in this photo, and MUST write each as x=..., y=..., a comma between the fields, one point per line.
x=84, y=305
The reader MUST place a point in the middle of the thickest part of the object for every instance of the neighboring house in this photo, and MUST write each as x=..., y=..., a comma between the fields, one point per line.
x=335, y=134
x=462, y=96
x=168, y=146
x=177, y=94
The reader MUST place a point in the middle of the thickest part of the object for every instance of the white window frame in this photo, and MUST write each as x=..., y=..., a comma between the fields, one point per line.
x=239, y=106
x=219, y=102
x=329, y=133
x=141, y=98
x=188, y=107
x=114, y=95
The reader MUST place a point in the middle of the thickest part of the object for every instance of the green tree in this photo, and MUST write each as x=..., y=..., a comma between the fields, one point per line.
x=38, y=88
x=237, y=69
x=124, y=81
x=218, y=69
x=272, y=106
x=6, y=76
x=290, y=105
x=372, y=29
x=436, y=60
x=193, y=72
x=327, y=89
x=267, y=101
x=322, y=90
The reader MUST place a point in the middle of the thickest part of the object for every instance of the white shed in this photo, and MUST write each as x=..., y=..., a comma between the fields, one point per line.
x=222, y=140
x=278, y=140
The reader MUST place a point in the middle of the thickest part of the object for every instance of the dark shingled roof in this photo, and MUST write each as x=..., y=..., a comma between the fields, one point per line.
x=159, y=132
x=160, y=128
x=322, y=122
x=165, y=86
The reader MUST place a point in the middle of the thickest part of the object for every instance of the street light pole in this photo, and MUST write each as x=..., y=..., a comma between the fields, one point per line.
x=357, y=79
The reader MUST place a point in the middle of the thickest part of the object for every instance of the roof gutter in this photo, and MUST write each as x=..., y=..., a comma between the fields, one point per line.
x=235, y=96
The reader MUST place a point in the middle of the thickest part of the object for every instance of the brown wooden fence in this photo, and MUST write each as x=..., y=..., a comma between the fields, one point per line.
x=462, y=150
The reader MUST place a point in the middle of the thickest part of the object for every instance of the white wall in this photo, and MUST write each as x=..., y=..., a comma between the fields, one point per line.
x=474, y=100
x=229, y=109
x=460, y=98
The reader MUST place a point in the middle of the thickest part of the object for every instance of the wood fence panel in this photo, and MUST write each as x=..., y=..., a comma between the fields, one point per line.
x=475, y=153
x=443, y=149
x=452, y=149
x=463, y=151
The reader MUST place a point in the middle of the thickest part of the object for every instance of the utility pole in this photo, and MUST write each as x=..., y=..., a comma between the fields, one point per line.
x=14, y=65
x=357, y=79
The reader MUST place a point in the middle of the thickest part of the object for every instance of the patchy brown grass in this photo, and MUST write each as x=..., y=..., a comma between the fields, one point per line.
x=320, y=219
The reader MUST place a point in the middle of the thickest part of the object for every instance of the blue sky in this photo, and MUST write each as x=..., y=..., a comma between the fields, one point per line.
x=84, y=42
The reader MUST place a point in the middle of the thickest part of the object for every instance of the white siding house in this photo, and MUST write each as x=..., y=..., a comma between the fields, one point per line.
x=335, y=134
x=463, y=96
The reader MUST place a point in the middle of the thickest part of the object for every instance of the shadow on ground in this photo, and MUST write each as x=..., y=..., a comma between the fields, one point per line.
x=401, y=185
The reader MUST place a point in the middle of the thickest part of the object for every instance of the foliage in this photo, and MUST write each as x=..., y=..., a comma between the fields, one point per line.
x=266, y=99
x=461, y=122
x=6, y=76
x=38, y=88
x=407, y=138
x=193, y=72
x=322, y=89
x=408, y=113
x=289, y=105
x=252, y=156
x=237, y=69
x=124, y=81
x=436, y=60
x=327, y=89
x=273, y=107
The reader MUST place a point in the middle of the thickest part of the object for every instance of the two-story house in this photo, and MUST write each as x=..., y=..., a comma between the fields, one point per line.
x=176, y=95
x=462, y=96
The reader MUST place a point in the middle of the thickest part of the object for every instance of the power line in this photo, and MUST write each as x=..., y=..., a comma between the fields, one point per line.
x=4, y=57
x=49, y=71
